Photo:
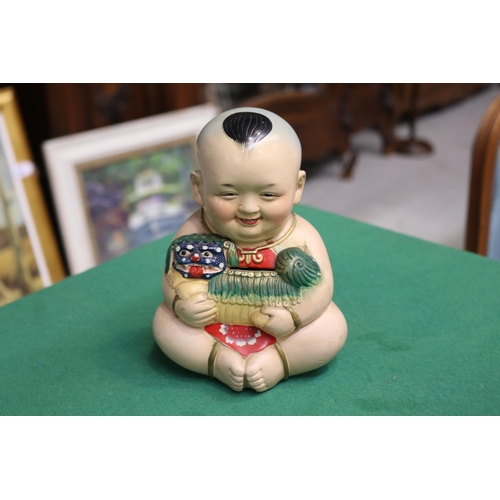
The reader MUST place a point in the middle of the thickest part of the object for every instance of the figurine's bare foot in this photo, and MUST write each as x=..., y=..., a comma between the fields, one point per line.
x=264, y=369
x=229, y=368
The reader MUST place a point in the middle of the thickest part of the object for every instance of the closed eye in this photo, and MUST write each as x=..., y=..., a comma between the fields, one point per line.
x=227, y=195
x=269, y=195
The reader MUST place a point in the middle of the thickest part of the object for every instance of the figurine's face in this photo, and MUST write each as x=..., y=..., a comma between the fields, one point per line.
x=248, y=196
x=199, y=260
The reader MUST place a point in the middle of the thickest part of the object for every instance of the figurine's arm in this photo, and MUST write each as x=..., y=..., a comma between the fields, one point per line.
x=317, y=298
x=282, y=321
x=188, y=299
x=189, y=302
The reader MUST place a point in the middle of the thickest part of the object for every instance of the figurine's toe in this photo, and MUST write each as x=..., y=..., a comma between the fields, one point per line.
x=236, y=378
x=261, y=388
x=260, y=385
x=264, y=370
x=257, y=382
x=230, y=369
x=236, y=385
x=253, y=378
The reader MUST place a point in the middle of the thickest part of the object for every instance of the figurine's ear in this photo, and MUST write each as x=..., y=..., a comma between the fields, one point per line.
x=300, y=187
x=196, y=182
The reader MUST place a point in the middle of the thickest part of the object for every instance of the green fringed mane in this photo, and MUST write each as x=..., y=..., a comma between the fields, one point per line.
x=295, y=271
x=255, y=288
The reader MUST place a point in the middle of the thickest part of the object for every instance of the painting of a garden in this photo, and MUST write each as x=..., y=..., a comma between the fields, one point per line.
x=134, y=200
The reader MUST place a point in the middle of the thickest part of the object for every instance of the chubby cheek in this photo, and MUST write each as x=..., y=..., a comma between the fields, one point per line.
x=279, y=212
x=221, y=210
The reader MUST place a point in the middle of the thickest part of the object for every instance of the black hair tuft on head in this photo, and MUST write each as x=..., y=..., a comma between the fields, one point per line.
x=247, y=128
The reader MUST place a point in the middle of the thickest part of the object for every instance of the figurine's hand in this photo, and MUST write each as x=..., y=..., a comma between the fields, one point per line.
x=274, y=320
x=191, y=287
x=197, y=310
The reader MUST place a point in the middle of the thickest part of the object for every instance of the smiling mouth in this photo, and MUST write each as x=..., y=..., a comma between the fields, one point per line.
x=249, y=222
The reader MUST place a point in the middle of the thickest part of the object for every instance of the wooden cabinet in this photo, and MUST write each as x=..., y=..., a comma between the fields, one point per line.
x=432, y=96
x=78, y=107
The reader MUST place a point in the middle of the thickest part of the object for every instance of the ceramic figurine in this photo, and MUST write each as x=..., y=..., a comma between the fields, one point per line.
x=248, y=284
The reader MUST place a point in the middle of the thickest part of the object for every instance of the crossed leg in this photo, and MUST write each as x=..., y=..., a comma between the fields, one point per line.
x=191, y=347
x=311, y=347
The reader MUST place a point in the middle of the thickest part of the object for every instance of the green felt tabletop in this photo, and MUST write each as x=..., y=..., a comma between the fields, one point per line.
x=424, y=338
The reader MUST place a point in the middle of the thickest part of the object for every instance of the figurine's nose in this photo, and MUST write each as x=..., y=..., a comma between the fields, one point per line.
x=195, y=257
x=248, y=207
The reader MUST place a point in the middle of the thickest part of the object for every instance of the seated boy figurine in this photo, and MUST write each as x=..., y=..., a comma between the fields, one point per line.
x=248, y=284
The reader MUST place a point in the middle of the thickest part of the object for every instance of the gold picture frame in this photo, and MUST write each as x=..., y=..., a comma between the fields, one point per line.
x=33, y=228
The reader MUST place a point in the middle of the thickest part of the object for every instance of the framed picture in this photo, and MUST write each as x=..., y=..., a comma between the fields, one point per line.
x=118, y=187
x=29, y=255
